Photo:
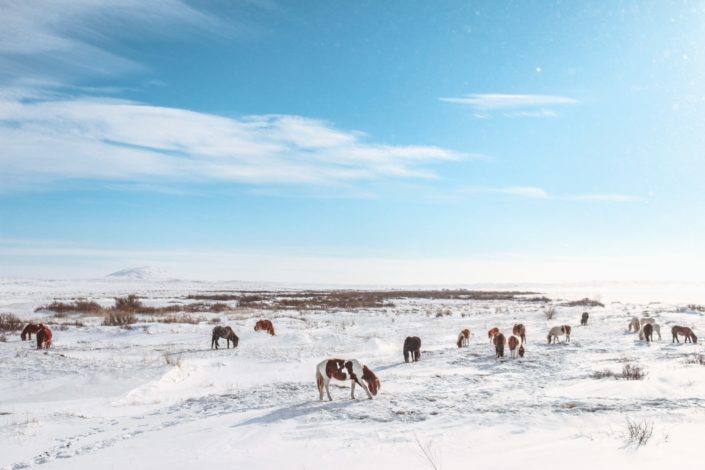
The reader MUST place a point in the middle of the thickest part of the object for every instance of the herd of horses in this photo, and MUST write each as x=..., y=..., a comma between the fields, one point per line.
x=360, y=374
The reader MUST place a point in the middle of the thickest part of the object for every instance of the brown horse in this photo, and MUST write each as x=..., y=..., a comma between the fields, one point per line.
x=224, y=332
x=499, y=342
x=412, y=348
x=520, y=330
x=265, y=325
x=648, y=332
x=491, y=333
x=463, y=338
x=683, y=331
x=28, y=330
x=43, y=337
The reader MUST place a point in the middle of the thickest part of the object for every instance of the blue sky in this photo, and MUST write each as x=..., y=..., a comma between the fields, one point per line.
x=353, y=142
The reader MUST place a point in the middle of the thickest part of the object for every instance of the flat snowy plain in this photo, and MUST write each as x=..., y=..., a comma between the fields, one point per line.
x=157, y=396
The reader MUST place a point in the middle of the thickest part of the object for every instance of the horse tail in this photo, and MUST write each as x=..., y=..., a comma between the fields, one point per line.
x=319, y=380
x=500, y=345
x=460, y=340
x=271, y=329
x=406, y=353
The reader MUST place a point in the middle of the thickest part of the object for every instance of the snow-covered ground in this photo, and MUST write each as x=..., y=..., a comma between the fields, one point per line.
x=157, y=396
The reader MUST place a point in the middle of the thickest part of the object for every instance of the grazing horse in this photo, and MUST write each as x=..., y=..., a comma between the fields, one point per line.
x=499, y=342
x=520, y=330
x=265, y=325
x=492, y=333
x=412, y=348
x=634, y=325
x=683, y=331
x=557, y=331
x=515, y=341
x=28, y=330
x=584, y=319
x=655, y=328
x=647, y=332
x=463, y=338
x=340, y=369
x=224, y=332
x=43, y=337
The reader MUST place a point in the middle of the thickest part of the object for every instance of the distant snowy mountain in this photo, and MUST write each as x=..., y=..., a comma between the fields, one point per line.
x=144, y=273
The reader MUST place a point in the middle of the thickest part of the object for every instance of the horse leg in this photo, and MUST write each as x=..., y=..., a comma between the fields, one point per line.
x=352, y=389
x=364, y=387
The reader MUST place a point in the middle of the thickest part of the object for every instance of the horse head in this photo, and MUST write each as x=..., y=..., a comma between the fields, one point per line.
x=373, y=383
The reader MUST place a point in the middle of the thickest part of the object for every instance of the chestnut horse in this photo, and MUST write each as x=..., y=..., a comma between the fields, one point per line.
x=28, y=330
x=412, y=348
x=463, y=338
x=43, y=337
x=341, y=369
x=520, y=330
x=492, y=333
x=499, y=342
x=515, y=341
x=224, y=332
x=265, y=325
x=683, y=331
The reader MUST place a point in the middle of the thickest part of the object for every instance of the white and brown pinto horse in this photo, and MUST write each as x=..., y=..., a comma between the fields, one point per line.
x=520, y=330
x=556, y=331
x=516, y=345
x=463, y=338
x=342, y=369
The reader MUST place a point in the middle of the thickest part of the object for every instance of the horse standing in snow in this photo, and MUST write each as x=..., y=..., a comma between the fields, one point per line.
x=634, y=325
x=654, y=327
x=557, y=331
x=412, y=348
x=43, y=337
x=515, y=341
x=584, y=319
x=352, y=369
x=646, y=332
x=28, y=330
x=224, y=332
x=520, y=330
x=491, y=333
x=499, y=342
x=683, y=331
x=463, y=338
x=265, y=325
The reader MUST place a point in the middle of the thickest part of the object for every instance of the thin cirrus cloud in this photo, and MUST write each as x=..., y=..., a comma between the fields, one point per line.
x=534, y=192
x=66, y=39
x=513, y=105
x=46, y=141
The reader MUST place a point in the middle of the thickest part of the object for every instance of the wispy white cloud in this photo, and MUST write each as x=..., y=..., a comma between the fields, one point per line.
x=51, y=140
x=530, y=192
x=512, y=105
x=607, y=197
x=534, y=192
x=66, y=39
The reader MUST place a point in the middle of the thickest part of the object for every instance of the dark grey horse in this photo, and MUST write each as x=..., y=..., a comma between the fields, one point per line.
x=412, y=348
x=584, y=318
x=224, y=332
